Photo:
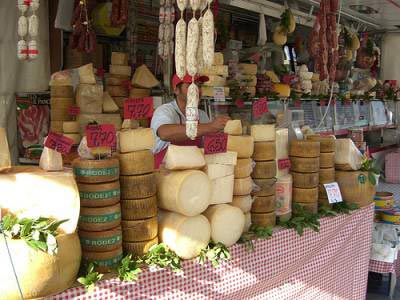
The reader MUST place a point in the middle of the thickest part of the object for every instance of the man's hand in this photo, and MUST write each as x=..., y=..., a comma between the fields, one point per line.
x=218, y=124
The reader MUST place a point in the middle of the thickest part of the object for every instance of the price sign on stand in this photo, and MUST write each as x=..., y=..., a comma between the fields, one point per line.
x=140, y=108
x=260, y=107
x=219, y=93
x=333, y=192
x=101, y=135
x=215, y=143
x=58, y=142
x=74, y=110
x=284, y=164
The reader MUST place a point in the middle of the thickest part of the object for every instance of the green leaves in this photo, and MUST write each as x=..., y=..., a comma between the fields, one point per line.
x=215, y=253
x=90, y=279
x=301, y=220
x=129, y=269
x=369, y=165
x=255, y=232
x=326, y=211
x=344, y=207
x=160, y=255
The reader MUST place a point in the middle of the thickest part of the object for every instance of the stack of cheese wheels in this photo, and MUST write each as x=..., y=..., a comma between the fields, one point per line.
x=100, y=215
x=62, y=98
x=183, y=194
x=248, y=78
x=117, y=83
x=71, y=130
x=304, y=158
x=263, y=208
x=326, y=164
x=138, y=191
x=217, y=74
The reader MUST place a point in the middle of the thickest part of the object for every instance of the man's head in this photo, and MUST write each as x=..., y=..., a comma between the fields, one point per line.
x=181, y=86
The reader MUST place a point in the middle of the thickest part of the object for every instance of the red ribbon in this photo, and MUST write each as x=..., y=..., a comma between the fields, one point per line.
x=100, y=72
x=28, y=2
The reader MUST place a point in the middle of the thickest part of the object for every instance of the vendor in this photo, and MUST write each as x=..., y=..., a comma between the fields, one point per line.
x=168, y=122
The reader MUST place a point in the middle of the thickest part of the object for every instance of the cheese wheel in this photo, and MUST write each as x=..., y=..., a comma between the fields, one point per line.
x=264, y=151
x=60, y=114
x=263, y=133
x=136, y=163
x=138, y=209
x=310, y=207
x=139, y=230
x=327, y=160
x=138, y=187
x=104, y=261
x=222, y=190
x=120, y=70
x=61, y=103
x=186, y=236
x=322, y=192
x=327, y=143
x=136, y=140
x=76, y=137
x=243, y=145
x=327, y=175
x=243, y=168
x=117, y=91
x=242, y=186
x=63, y=91
x=263, y=204
x=304, y=148
x=233, y=127
x=264, y=219
x=243, y=202
x=70, y=127
x=99, y=218
x=139, y=93
x=264, y=169
x=184, y=158
x=114, y=79
x=96, y=171
x=100, y=194
x=186, y=192
x=227, y=158
x=215, y=171
x=304, y=165
x=267, y=187
x=56, y=126
x=101, y=241
x=119, y=58
x=247, y=222
x=305, y=195
x=54, y=273
x=227, y=223
x=138, y=249
x=324, y=202
x=305, y=180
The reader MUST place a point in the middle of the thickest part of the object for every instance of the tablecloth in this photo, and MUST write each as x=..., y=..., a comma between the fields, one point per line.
x=332, y=264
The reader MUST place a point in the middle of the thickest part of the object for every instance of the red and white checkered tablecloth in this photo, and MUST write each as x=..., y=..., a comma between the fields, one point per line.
x=385, y=267
x=330, y=265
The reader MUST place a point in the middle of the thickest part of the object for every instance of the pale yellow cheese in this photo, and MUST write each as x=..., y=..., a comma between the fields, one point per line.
x=218, y=59
x=347, y=156
x=248, y=69
x=243, y=145
x=233, y=127
x=5, y=158
x=89, y=97
x=243, y=202
x=218, y=170
x=136, y=140
x=249, y=80
x=208, y=91
x=86, y=74
x=143, y=78
x=222, y=189
x=263, y=133
x=85, y=119
x=243, y=168
x=51, y=160
x=215, y=70
x=119, y=58
x=120, y=70
x=76, y=137
x=109, y=105
x=184, y=158
x=243, y=186
x=139, y=93
x=215, y=81
x=227, y=158
x=70, y=127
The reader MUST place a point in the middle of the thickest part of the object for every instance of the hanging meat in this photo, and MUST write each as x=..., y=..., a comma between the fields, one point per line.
x=119, y=12
x=83, y=36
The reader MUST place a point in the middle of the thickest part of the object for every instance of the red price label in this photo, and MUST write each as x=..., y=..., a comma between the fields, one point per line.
x=347, y=102
x=58, y=142
x=297, y=103
x=141, y=108
x=333, y=101
x=215, y=143
x=284, y=164
x=101, y=135
x=322, y=103
x=74, y=110
x=260, y=107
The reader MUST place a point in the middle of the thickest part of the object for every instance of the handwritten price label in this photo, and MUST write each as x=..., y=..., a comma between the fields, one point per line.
x=284, y=164
x=101, y=135
x=260, y=107
x=141, y=108
x=219, y=94
x=58, y=142
x=74, y=110
x=333, y=192
x=216, y=143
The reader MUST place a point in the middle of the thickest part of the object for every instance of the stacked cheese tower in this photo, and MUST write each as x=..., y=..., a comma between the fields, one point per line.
x=143, y=81
x=62, y=98
x=326, y=164
x=263, y=208
x=248, y=79
x=138, y=191
x=304, y=158
x=217, y=75
x=71, y=130
x=100, y=215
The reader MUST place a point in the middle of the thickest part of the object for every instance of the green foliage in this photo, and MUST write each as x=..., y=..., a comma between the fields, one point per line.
x=369, y=165
x=129, y=269
x=326, y=211
x=285, y=19
x=160, y=255
x=215, y=253
x=255, y=232
x=302, y=219
x=344, y=207
x=90, y=278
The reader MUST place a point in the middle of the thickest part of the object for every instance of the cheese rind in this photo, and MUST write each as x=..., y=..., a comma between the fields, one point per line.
x=138, y=209
x=304, y=164
x=304, y=148
x=327, y=143
x=264, y=169
x=227, y=158
x=95, y=171
x=243, y=202
x=139, y=248
x=109, y=105
x=264, y=219
x=327, y=160
x=217, y=170
x=243, y=145
x=267, y=187
x=222, y=190
x=242, y=186
x=100, y=218
x=264, y=151
x=305, y=195
x=136, y=163
x=100, y=194
x=139, y=230
x=264, y=204
x=138, y=187
x=136, y=140
x=120, y=70
x=233, y=127
x=326, y=175
x=243, y=168
x=104, y=261
x=263, y=133
x=305, y=180
x=184, y=158
x=101, y=241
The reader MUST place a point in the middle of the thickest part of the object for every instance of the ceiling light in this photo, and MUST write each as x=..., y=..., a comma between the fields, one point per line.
x=364, y=9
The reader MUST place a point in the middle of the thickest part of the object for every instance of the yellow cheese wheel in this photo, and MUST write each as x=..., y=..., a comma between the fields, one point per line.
x=310, y=207
x=242, y=186
x=139, y=249
x=243, y=145
x=63, y=91
x=117, y=91
x=99, y=194
x=60, y=114
x=119, y=58
x=327, y=175
x=267, y=187
x=327, y=143
x=76, y=137
x=264, y=151
x=243, y=202
x=99, y=218
x=264, y=169
x=56, y=126
x=304, y=165
x=105, y=261
x=96, y=171
x=139, y=230
x=355, y=187
x=264, y=219
x=305, y=180
x=138, y=209
x=101, y=241
x=263, y=204
x=61, y=103
x=139, y=93
x=304, y=148
x=243, y=168
x=70, y=127
x=138, y=187
x=305, y=195
x=283, y=90
x=327, y=160
x=114, y=79
x=136, y=163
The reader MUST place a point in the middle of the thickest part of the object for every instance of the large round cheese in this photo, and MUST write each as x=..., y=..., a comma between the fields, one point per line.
x=100, y=194
x=326, y=175
x=243, y=145
x=304, y=148
x=101, y=241
x=264, y=219
x=138, y=187
x=139, y=230
x=263, y=133
x=105, y=261
x=227, y=223
x=305, y=180
x=136, y=163
x=264, y=151
x=186, y=236
x=96, y=171
x=327, y=160
x=184, y=158
x=186, y=192
x=138, y=209
x=266, y=187
x=327, y=143
x=304, y=165
x=264, y=204
x=139, y=248
x=264, y=169
x=243, y=202
x=242, y=186
x=243, y=168
x=39, y=274
x=305, y=195
x=233, y=127
x=100, y=218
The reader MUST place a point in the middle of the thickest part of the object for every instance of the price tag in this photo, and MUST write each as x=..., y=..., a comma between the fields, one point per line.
x=333, y=192
x=141, y=108
x=74, y=110
x=219, y=93
x=58, y=142
x=215, y=143
x=322, y=103
x=284, y=164
x=260, y=107
x=101, y=135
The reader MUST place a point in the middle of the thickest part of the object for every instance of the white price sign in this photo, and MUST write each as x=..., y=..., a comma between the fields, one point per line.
x=333, y=192
x=219, y=93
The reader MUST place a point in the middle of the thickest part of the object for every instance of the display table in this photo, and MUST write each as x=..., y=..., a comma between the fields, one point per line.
x=332, y=264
